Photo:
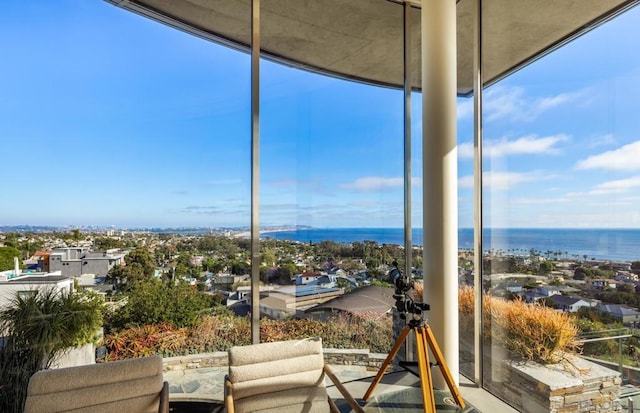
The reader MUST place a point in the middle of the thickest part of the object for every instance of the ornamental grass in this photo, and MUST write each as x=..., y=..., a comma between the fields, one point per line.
x=531, y=331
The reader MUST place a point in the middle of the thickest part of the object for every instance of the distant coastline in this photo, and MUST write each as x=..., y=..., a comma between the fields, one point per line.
x=600, y=244
x=614, y=244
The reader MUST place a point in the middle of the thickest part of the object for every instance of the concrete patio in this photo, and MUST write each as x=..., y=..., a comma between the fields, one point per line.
x=202, y=389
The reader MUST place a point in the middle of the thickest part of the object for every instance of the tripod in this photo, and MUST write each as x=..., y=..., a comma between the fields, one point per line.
x=424, y=336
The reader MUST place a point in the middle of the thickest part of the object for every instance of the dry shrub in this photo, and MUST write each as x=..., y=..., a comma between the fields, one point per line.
x=532, y=331
x=365, y=330
x=466, y=300
x=281, y=330
x=416, y=293
x=221, y=332
x=466, y=308
x=145, y=341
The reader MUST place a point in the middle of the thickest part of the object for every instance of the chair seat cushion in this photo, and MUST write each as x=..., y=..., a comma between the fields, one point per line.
x=311, y=400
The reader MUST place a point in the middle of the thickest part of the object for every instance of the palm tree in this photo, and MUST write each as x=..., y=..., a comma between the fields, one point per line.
x=38, y=327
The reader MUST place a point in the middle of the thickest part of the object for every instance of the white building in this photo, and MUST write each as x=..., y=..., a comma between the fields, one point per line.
x=14, y=282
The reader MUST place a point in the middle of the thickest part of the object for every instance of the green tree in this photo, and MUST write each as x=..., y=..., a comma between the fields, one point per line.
x=142, y=261
x=208, y=264
x=345, y=285
x=283, y=274
x=11, y=239
x=106, y=243
x=582, y=273
x=6, y=257
x=139, y=267
x=240, y=268
x=373, y=263
x=76, y=235
x=268, y=257
x=157, y=302
x=595, y=348
x=546, y=267
x=293, y=269
x=29, y=246
x=37, y=328
x=626, y=288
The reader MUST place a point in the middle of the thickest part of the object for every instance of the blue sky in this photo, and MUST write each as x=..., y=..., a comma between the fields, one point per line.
x=109, y=118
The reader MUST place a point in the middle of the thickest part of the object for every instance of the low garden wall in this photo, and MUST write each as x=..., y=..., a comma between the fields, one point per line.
x=349, y=357
x=75, y=356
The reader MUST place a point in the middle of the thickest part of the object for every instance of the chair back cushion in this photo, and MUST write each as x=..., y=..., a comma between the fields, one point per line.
x=283, y=377
x=130, y=386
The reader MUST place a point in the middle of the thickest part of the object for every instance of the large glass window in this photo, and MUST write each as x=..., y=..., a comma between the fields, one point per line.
x=130, y=128
x=331, y=188
x=560, y=192
x=466, y=211
x=125, y=137
x=466, y=296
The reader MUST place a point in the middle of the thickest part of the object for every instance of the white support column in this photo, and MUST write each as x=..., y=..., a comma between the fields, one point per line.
x=440, y=176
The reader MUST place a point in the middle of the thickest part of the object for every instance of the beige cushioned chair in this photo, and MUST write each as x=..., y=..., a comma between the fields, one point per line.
x=128, y=386
x=281, y=377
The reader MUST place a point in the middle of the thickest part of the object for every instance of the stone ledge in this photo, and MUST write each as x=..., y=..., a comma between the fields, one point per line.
x=575, y=385
x=346, y=357
x=196, y=361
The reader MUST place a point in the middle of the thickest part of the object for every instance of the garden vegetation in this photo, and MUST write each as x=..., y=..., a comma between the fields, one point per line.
x=38, y=328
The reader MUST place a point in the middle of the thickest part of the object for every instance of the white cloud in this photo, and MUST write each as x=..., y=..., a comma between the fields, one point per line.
x=465, y=182
x=377, y=183
x=624, y=158
x=510, y=102
x=525, y=145
x=616, y=187
x=539, y=201
x=373, y=183
x=530, y=144
x=465, y=108
x=503, y=181
x=604, y=140
x=465, y=150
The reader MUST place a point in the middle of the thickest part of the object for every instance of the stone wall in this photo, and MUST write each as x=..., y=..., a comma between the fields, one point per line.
x=196, y=361
x=576, y=385
x=357, y=357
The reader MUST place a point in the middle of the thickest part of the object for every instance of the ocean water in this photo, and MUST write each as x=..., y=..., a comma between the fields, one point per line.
x=609, y=244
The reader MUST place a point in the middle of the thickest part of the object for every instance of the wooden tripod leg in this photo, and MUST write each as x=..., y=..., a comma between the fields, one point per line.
x=426, y=381
x=403, y=335
x=431, y=340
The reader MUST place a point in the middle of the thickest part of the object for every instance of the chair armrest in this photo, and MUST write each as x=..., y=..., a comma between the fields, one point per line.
x=228, y=395
x=345, y=393
x=164, y=398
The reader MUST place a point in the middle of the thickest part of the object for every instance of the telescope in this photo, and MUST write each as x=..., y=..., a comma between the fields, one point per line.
x=424, y=340
x=404, y=303
x=402, y=282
